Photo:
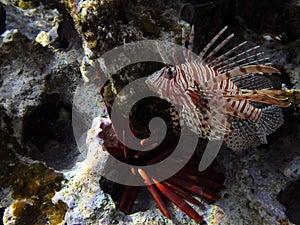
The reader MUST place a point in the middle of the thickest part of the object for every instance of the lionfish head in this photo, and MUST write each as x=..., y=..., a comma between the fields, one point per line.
x=160, y=79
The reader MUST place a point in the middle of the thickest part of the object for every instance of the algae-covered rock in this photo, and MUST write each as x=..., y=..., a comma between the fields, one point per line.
x=32, y=192
x=31, y=21
x=31, y=184
x=107, y=24
x=30, y=77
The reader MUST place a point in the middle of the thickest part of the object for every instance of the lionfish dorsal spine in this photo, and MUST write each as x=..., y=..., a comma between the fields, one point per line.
x=237, y=60
x=207, y=47
x=191, y=43
x=216, y=49
x=213, y=63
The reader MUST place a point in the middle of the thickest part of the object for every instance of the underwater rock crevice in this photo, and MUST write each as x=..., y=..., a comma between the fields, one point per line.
x=48, y=134
x=2, y=19
x=290, y=198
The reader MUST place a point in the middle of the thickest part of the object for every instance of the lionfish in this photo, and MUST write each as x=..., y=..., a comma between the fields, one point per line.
x=207, y=84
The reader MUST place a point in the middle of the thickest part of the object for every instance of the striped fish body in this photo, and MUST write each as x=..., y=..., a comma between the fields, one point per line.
x=202, y=87
x=184, y=88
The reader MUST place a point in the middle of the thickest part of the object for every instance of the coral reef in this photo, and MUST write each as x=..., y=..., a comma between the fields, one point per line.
x=43, y=44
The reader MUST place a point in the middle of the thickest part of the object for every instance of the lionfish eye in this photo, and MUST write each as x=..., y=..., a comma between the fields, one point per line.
x=170, y=73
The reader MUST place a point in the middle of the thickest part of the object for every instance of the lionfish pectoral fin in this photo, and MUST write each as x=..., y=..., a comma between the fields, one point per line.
x=243, y=135
x=175, y=117
x=193, y=94
x=250, y=134
x=194, y=121
x=198, y=97
x=212, y=116
x=271, y=119
x=241, y=70
x=234, y=113
x=271, y=97
x=252, y=82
